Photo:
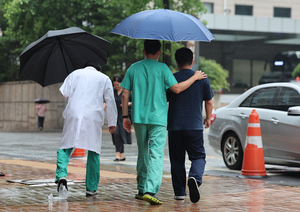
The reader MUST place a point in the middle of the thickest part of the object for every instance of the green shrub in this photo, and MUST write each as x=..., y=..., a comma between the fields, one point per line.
x=296, y=72
x=216, y=74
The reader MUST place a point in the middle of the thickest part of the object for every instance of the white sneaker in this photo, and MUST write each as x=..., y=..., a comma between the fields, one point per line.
x=179, y=197
x=91, y=193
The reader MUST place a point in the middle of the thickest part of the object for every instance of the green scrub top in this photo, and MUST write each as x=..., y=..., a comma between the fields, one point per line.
x=148, y=80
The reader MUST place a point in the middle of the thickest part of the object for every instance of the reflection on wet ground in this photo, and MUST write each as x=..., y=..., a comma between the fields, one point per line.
x=117, y=185
x=217, y=194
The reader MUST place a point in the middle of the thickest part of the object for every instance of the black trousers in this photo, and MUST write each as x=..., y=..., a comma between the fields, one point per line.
x=41, y=122
x=180, y=142
x=118, y=142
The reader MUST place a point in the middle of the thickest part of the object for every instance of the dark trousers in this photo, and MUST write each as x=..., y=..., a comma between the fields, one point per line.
x=41, y=122
x=118, y=141
x=180, y=142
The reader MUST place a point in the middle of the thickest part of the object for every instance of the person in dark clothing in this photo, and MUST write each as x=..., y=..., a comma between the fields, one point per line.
x=185, y=128
x=120, y=136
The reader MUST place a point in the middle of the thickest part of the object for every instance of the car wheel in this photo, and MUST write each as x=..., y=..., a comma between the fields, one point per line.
x=232, y=151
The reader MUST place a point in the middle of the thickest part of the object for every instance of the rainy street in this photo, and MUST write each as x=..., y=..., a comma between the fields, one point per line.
x=31, y=156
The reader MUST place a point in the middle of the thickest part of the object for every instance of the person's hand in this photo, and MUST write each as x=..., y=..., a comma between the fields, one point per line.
x=206, y=123
x=127, y=124
x=111, y=129
x=200, y=75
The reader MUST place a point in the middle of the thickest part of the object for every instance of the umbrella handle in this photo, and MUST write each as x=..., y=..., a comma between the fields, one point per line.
x=163, y=51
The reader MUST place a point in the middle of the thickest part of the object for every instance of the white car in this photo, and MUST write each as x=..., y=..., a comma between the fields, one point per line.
x=278, y=107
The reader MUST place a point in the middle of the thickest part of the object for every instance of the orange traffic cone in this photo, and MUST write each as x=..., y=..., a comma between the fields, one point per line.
x=78, y=153
x=297, y=79
x=253, y=163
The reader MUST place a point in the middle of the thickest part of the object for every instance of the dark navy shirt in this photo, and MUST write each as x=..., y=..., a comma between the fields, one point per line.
x=185, y=108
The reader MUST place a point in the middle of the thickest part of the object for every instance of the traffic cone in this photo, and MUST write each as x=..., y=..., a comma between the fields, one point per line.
x=297, y=79
x=78, y=153
x=253, y=162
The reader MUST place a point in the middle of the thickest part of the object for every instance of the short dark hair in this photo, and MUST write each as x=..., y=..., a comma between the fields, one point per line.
x=94, y=64
x=117, y=78
x=184, y=56
x=152, y=46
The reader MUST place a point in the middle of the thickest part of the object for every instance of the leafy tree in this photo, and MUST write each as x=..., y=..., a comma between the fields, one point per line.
x=296, y=72
x=28, y=20
x=9, y=50
x=216, y=74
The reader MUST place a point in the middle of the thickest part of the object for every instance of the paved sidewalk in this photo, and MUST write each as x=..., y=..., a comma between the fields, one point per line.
x=117, y=189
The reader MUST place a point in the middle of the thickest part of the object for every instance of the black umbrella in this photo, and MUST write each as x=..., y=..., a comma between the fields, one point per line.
x=41, y=101
x=54, y=56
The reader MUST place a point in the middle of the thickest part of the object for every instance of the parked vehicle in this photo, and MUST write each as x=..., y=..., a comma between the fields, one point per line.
x=278, y=107
x=282, y=67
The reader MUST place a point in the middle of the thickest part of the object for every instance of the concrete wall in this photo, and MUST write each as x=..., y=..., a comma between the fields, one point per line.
x=17, y=107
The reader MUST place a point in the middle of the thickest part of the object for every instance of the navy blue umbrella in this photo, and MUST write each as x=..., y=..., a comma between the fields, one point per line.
x=163, y=24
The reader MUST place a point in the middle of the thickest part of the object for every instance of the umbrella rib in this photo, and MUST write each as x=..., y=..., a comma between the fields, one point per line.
x=52, y=50
x=72, y=41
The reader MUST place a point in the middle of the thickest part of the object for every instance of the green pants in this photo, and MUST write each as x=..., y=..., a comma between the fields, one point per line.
x=92, y=167
x=151, y=140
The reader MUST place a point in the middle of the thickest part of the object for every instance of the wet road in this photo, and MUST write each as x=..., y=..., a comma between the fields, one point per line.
x=42, y=146
x=32, y=155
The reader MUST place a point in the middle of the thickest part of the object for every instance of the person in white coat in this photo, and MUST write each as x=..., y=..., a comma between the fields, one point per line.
x=85, y=90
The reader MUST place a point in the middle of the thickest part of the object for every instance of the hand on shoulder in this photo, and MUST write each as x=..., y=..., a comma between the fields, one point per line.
x=200, y=75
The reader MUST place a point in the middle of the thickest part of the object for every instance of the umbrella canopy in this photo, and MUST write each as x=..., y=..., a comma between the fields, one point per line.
x=41, y=101
x=54, y=56
x=163, y=24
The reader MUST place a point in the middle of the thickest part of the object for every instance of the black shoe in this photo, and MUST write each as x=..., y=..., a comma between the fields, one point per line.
x=62, y=181
x=194, y=190
x=122, y=159
x=116, y=159
x=152, y=199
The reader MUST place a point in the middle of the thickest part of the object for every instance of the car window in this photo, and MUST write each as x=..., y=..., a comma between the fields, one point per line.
x=288, y=97
x=247, y=102
x=262, y=98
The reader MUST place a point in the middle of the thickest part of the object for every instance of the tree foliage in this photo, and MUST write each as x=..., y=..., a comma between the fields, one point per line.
x=28, y=20
x=216, y=74
x=296, y=72
x=9, y=50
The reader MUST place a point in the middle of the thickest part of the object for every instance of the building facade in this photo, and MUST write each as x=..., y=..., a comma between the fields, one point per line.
x=248, y=36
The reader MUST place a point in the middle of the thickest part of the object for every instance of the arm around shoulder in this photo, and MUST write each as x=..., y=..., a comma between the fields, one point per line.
x=179, y=87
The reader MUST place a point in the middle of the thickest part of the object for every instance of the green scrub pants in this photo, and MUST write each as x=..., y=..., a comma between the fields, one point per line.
x=92, y=167
x=151, y=140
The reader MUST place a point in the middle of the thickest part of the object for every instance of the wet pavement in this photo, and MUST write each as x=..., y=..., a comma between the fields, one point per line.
x=31, y=156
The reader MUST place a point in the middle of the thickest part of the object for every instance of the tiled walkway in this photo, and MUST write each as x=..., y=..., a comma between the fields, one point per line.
x=116, y=193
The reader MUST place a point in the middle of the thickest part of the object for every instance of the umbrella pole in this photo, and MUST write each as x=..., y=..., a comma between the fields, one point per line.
x=163, y=51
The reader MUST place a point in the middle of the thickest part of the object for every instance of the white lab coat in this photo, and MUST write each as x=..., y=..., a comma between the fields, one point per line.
x=84, y=90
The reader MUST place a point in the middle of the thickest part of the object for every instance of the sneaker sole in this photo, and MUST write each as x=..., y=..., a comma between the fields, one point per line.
x=179, y=197
x=194, y=190
x=138, y=197
x=91, y=193
x=152, y=200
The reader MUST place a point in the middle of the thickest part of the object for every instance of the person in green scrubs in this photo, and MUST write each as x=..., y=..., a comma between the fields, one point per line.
x=148, y=80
